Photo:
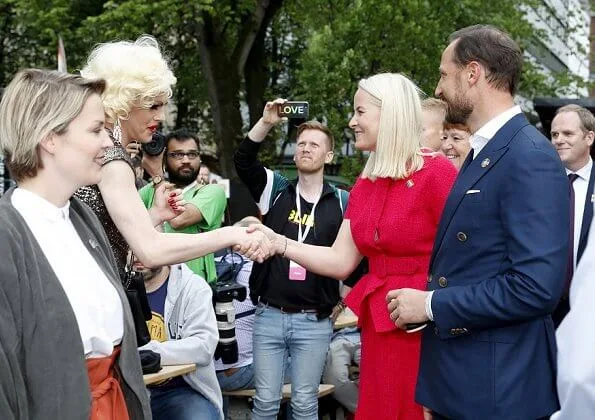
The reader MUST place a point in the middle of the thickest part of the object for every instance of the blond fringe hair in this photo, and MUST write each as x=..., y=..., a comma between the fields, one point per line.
x=397, y=152
x=36, y=104
x=433, y=104
x=136, y=74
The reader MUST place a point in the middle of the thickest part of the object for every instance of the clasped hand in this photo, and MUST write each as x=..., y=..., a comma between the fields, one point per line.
x=407, y=306
x=168, y=201
x=257, y=242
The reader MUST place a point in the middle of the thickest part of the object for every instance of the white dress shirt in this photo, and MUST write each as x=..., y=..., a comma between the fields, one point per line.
x=580, y=185
x=576, y=340
x=481, y=137
x=478, y=141
x=94, y=300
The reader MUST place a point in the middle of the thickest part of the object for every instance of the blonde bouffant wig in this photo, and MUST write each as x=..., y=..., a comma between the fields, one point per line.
x=136, y=73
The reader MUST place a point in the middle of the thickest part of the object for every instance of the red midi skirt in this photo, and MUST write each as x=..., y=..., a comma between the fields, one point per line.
x=388, y=373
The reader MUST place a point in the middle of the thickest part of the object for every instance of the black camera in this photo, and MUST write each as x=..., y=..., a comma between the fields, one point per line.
x=156, y=146
x=223, y=295
x=134, y=286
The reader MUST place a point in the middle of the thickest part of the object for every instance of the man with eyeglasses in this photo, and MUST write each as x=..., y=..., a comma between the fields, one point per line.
x=204, y=204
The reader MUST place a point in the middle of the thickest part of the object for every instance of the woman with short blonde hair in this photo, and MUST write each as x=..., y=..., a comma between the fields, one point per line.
x=392, y=217
x=39, y=104
x=65, y=328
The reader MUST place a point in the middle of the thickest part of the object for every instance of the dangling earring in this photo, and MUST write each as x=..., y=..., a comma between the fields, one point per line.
x=117, y=131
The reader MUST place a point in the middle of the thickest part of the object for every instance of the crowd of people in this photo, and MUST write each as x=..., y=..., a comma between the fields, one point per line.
x=464, y=248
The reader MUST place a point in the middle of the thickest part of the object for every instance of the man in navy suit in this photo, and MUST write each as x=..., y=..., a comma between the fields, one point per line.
x=499, y=257
x=573, y=132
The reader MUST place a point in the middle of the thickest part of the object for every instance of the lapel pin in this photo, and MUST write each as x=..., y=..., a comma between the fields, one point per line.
x=409, y=183
x=485, y=162
x=94, y=244
x=593, y=198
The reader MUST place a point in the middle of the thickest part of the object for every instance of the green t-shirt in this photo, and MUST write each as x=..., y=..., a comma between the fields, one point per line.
x=210, y=200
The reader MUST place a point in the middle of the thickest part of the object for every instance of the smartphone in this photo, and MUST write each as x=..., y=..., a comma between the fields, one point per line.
x=294, y=110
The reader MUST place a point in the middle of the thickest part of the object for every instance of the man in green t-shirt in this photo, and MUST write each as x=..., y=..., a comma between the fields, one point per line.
x=205, y=203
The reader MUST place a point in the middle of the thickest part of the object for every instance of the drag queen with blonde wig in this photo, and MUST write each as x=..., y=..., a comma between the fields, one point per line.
x=139, y=85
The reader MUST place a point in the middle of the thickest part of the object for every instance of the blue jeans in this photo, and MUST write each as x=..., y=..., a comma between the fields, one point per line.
x=181, y=403
x=243, y=378
x=277, y=336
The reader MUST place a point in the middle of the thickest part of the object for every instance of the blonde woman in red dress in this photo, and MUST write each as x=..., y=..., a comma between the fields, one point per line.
x=392, y=218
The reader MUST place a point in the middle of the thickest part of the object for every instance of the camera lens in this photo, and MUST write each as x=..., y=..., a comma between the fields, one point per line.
x=227, y=348
x=156, y=146
x=223, y=295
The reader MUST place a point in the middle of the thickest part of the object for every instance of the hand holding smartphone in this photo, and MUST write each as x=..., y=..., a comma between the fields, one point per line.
x=294, y=110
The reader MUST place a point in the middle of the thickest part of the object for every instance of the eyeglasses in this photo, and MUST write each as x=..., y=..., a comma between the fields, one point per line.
x=180, y=155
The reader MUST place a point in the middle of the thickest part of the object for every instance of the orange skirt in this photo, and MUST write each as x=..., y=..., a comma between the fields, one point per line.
x=107, y=397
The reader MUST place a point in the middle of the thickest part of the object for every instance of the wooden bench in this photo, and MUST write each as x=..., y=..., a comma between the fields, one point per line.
x=345, y=319
x=323, y=390
x=167, y=372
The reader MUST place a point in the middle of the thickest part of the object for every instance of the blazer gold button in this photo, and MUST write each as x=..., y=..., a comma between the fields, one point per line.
x=462, y=236
x=442, y=282
x=430, y=278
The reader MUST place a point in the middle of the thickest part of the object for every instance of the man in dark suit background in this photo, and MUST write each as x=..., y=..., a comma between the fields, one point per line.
x=573, y=133
x=500, y=253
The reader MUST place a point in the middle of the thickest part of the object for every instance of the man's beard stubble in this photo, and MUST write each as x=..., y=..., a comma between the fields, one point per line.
x=182, y=179
x=458, y=110
x=150, y=273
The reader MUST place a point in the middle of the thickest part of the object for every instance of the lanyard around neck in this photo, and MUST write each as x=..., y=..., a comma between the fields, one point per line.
x=301, y=237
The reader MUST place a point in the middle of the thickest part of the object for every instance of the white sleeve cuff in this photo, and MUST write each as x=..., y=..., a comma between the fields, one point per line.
x=429, y=306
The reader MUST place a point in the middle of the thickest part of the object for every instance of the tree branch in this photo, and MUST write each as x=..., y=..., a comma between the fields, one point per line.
x=265, y=11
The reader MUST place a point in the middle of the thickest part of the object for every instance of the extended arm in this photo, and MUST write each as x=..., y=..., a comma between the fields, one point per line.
x=337, y=261
x=154, y=248
x=250, y=170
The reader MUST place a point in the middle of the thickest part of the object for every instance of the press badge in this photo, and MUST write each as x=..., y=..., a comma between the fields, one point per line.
x=296, y=271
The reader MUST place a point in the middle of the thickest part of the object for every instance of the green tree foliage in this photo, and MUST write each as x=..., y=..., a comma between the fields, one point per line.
x=358, y=38
x=230, y=56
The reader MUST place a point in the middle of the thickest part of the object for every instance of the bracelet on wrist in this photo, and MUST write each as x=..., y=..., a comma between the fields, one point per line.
x=284, y=249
